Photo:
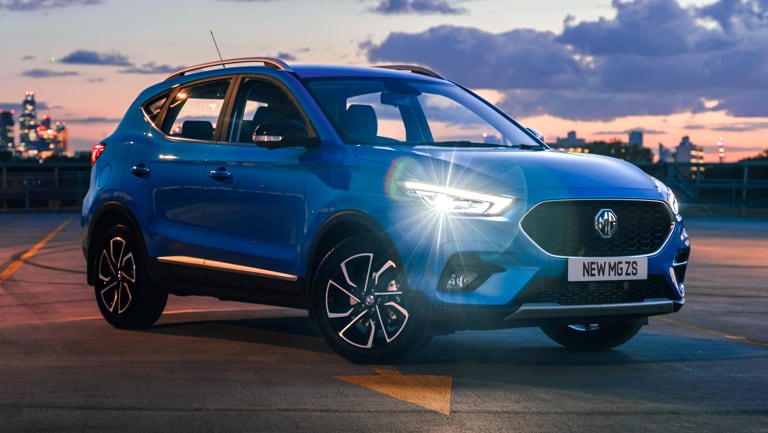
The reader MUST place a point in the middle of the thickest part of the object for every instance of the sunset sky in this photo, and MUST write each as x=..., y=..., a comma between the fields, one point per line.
x=670, y=68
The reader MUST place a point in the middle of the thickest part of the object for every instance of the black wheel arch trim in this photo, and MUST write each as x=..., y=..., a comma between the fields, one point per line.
x=330, y=234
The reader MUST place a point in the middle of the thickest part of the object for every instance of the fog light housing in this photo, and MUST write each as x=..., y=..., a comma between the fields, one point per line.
x=458, y=281
x=465, y=273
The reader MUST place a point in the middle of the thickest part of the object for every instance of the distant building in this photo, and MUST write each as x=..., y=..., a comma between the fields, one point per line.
x=7, y=131
x=28, y=124
x=62, y=139
x=636, y=138
x=665, y=154
x=689, y=153
x=570, y=141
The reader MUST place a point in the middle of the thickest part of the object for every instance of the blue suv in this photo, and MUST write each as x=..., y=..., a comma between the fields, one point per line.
x=390, y=202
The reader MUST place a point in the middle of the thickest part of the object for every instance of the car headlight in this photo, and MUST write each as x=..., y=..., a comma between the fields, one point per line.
x=669, y=195
x=452, y=200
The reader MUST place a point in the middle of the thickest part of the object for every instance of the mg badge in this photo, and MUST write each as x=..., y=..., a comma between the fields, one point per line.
x=605, y=223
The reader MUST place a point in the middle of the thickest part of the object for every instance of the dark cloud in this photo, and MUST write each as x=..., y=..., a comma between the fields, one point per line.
x=645, y=131
x=94, y=119
x=443, y=7
x=731, y=127
x=42, y=5
x=151, y=68
x=645, y=28
x=517, y=59
x=288, y=57
x=47, y=73
x=85, y=57
x=654, y=58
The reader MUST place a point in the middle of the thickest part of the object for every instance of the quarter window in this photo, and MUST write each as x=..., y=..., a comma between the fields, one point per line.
x=194, y=111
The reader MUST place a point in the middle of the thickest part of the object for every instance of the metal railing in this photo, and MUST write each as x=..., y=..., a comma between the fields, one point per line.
x=43, y=186
x=733, y=188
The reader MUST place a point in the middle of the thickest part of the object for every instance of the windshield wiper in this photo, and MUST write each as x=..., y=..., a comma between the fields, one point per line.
x=467, y=143
x=459, y=143
x=528, y=146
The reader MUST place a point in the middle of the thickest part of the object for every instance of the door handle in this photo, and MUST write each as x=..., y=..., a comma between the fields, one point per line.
x=221, y=173
x=140, y=169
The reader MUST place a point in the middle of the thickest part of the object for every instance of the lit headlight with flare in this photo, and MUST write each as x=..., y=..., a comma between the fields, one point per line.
x=452, y=200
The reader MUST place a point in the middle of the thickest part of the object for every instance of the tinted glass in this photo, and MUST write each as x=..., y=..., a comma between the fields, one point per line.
x=387, y=111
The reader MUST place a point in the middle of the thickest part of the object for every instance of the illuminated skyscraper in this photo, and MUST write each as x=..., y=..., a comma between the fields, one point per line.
x=7, y=132
x=62, y=139
x=28, y=123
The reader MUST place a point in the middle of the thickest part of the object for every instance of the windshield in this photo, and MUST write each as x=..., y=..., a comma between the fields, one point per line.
x=414, y=112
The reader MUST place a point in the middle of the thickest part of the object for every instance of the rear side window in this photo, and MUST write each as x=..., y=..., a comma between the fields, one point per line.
x=194, y=111
x=154, y=107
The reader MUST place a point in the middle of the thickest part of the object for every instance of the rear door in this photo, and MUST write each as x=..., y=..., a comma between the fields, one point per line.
x=168, y=168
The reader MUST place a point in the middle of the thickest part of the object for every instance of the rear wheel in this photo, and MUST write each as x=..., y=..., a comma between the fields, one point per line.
x=593, y=336
x=125, y=297
x=361, y=305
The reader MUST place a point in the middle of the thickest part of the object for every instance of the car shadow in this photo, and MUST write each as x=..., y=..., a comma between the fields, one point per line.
x=293, y=329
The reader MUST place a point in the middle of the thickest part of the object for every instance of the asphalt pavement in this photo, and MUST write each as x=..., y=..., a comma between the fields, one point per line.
x=213, y=366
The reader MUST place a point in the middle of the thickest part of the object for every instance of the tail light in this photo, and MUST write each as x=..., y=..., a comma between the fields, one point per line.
x=96, y=151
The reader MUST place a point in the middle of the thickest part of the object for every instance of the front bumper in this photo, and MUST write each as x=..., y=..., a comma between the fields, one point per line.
x=526, y=286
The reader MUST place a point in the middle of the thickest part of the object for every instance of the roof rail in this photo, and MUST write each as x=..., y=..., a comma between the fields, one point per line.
x=415, y=69
x=269, y=62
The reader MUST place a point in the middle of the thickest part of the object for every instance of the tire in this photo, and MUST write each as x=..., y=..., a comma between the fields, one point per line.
x=361, y=305
x=123, y=292
x=596, y=336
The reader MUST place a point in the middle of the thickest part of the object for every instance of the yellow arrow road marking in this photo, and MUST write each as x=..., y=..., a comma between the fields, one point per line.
x=16, y=264
x=427, y=391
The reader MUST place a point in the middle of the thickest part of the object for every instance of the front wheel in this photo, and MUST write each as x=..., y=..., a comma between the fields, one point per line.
x=361, y=305
x=124, y=294
x=592, y=336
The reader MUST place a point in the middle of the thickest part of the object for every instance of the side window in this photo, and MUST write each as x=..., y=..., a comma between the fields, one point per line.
x=259, y=103
x=194, y=111
x=154, y=107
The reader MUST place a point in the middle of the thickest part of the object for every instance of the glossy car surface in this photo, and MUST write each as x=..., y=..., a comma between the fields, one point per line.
x=391, y=203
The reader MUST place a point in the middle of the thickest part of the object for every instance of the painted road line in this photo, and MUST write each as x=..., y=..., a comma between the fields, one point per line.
x=427, y=391
x=712, y=332
x=16, y=264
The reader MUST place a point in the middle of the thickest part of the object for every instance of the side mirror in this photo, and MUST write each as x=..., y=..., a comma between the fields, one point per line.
x=282, y=133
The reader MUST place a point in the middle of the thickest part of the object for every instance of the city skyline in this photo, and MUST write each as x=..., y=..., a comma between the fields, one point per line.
x=666, y=68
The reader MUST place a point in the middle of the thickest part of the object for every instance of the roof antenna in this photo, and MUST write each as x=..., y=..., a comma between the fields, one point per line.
x=216, y=45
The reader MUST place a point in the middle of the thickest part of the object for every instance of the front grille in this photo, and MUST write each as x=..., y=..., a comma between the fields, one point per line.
x=559, y=291
x=567, y=228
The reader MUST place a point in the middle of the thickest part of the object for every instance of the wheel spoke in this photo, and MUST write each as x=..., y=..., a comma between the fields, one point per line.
x=109, y=296
x=367, y=263
x=329, y=299
x=109, y=273
x=125, y=297
x=358, y=327
x=394, y=320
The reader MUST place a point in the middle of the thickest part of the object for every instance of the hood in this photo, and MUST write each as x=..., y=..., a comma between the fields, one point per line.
x=550, y=174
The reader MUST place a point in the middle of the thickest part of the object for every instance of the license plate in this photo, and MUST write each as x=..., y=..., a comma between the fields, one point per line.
x=607, y=268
